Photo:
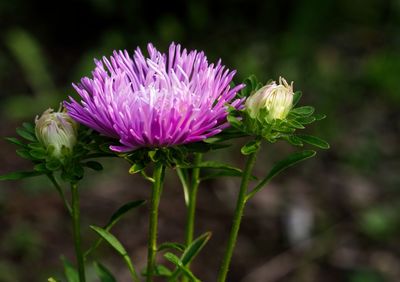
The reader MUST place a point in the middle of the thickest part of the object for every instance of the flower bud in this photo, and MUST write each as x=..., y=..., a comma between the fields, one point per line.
x=276, y=99
x=57, y=130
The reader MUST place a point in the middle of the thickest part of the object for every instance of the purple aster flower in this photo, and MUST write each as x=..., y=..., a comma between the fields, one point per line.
x=163, y=100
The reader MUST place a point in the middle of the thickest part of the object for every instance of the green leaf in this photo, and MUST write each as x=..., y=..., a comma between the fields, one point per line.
x=295, y=124
x=177, y=262
x=15, y=141
x=250, y=147
x=195, y=247
x=23, y=153
x=94, y=165
x=161, y=270
x=281, y=166
x=290, y=161
x=116, y=216
x=171, y=246
x=306, y=120
x=215, y=165
x=221, y=174
x=296, y=97
x=294, y=140
x=137, y=167
x=319, y=116
x=29, y=127
x=19, y=175
x=313, y=140
x=51, y=279
x=110, y=239
x=25, y=134
x=53, y=164
x=39, y=154
x=303, y=111
x=103, y=273
x=41, y=168
x=70, y=272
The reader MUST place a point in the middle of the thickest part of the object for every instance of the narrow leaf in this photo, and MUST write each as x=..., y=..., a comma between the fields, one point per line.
x=39, y=154
x=161, y=270
x=181, y=267
x=70, y=272
x=103, y=273
x=19, y=175
x=111, y=239
x=25, y=134
x=306, y=120
x=23, y=153
x=294, y=140
x=195, y=247
x=281, y=166
x=171, y=246
x=15, y=141
x=315, y=141
x=303, y=111
x=295, y=124
x=28, y=127
x=319, y=116
x=214, y=165
x=116, y=216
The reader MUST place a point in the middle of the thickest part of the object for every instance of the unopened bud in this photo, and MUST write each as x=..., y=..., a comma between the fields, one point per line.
x=56, y=130
x=276, y=99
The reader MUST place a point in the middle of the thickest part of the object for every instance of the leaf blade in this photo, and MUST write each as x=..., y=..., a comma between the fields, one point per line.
x=110, y=239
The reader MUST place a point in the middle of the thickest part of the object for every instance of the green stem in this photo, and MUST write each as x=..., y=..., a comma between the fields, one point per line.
x=60, y=191
x=194, y=185
x=158, y=176
x=77, y=231
x=237, y=218
x=191, y=205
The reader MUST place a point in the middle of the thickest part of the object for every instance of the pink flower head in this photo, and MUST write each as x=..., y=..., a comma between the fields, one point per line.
x=159, y=101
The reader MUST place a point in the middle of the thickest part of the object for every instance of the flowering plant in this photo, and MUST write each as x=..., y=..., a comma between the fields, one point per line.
x=164, y=111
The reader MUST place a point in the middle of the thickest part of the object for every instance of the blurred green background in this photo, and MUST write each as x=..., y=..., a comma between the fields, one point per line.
x=334, y=218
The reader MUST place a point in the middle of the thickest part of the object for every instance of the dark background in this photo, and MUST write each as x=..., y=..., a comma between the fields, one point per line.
x=334, y=218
